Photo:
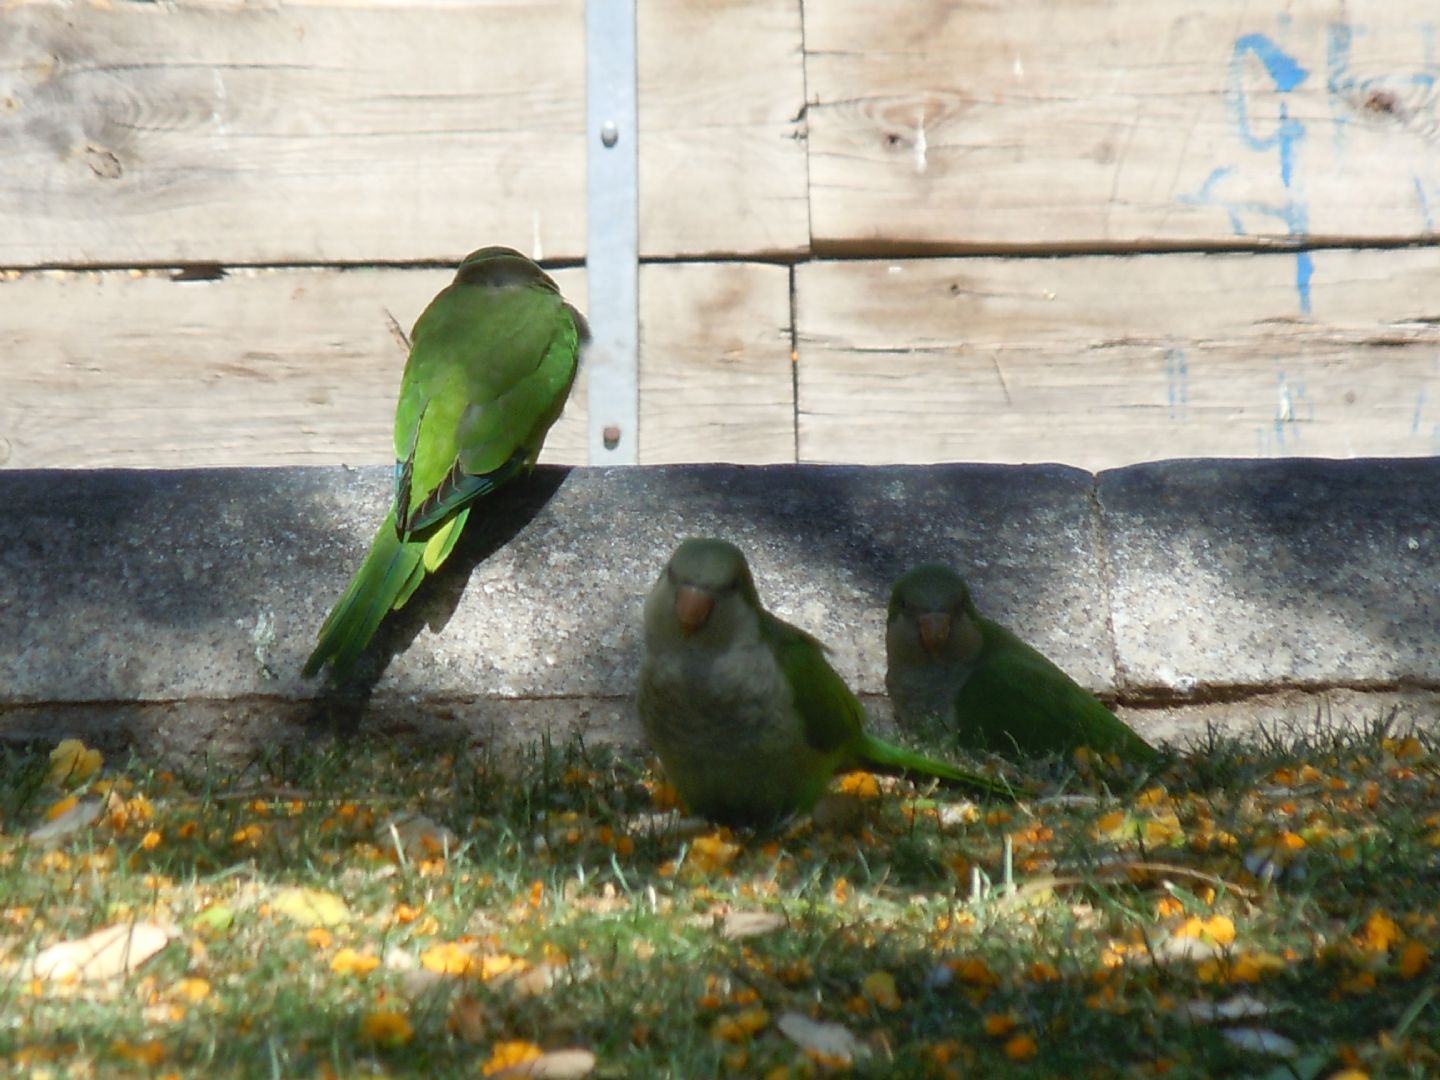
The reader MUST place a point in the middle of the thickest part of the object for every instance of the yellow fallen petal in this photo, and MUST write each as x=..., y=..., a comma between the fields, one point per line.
x=71, y=763
x=151, y=1052
x=862, y=785
x=349, y=962
x=879, y=987
x=448, y=958
x=311, y=907
x=1379, y=933
x=509, y=1053
x=387, y=1027
x=64, y=806
x=709, y=853
x=998, y=1024
x=1021, y=1048
x=191, y=989
x=1414, y=958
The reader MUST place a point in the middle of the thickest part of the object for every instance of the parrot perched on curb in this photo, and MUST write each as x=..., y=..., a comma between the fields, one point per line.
x=492, y=359
x=946, y=661
x=748, y=718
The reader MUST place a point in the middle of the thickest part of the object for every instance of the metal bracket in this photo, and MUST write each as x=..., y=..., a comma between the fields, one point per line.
x=612, y=232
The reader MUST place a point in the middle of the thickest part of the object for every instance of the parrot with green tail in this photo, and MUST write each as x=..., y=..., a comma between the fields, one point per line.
x=748, y=718
x=946, y=661
x=492, y=359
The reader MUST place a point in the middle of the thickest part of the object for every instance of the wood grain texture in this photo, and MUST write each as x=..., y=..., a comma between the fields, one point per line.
x=722, y=160
x=1100, y=361
x=145, y=133
x=716, y=379
x=279, y=367
x=1110, y=123
x=380, y=132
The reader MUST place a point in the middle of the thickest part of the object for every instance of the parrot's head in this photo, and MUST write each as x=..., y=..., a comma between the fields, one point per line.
x=931, y=617
x=705, y=594
x=498, y=267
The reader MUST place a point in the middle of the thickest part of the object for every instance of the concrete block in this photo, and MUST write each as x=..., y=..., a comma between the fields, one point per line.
x=1282, y=573
x=124, y=586
x=173, y=609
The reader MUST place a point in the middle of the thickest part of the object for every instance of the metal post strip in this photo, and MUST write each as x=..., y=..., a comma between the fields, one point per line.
x=612, y=231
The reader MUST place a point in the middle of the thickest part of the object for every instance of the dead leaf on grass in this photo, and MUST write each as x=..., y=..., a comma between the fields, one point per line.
x=115, y=950
x=555, y=1065
x=832, y=1041
x=747, y=924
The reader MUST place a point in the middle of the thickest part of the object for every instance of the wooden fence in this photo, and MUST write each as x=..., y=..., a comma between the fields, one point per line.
x=1090, y=231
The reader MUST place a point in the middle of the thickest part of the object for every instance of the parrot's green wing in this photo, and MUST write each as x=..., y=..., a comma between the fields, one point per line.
x=1016, y=700
x=491, y=362
x=830, y=713
x=834, y=717
x=490, y=367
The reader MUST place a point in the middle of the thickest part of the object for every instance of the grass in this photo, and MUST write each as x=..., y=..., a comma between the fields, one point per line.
x=1293, y=886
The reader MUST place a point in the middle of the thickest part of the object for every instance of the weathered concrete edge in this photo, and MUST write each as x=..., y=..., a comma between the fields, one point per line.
x=193, y=724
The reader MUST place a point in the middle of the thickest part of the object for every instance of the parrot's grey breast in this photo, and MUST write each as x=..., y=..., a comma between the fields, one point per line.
x=717, y=704
x=925, y=692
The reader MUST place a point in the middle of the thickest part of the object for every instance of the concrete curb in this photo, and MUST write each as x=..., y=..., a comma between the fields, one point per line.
x=174, y=609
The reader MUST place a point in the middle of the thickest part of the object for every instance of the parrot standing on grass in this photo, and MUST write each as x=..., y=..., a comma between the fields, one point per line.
x=492, y=359
x=947, y=662
x=748, y=718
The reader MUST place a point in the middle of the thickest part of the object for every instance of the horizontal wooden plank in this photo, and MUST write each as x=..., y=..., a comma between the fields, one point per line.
x=157, y=133
x=722, y=161
x=277, y=367
x=1100, y=361
x=381, y=132
x=716, y=379
x=1125, y=122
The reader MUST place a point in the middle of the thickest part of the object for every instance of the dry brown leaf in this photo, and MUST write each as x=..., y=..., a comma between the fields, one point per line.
x=467, y=1020
x=80, y=816
x=1192, y=949
x=822, y=1037
x=1237, y=1007
x=555, y=1065
x=667, y=823
x=748, y=924
x=115, y=950
x=533, y=981
x=416, y=837
x=1260, y=1041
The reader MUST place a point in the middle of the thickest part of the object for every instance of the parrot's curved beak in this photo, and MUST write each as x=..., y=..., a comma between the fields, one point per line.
x=934, y=631
x=692, y=607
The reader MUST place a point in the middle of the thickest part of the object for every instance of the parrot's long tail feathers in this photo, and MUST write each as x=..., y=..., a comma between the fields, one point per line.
x=390, y=573
x=459, y=488
x=887, y=757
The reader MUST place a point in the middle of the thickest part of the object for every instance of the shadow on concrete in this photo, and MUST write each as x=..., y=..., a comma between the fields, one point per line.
x=1278, y=572
x=121, y=587
x=493, y=522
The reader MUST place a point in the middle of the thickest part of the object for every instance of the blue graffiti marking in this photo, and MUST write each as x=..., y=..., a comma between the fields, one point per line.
x=1304, y=270
x=1338, y=83
x=1286, y=75
x=1424, y=202
x=1282, y=68
x=1177, y=382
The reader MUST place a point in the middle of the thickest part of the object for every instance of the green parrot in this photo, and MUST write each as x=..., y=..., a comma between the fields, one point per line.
x=946, y=661
x=492, y=359
x=748, y=718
